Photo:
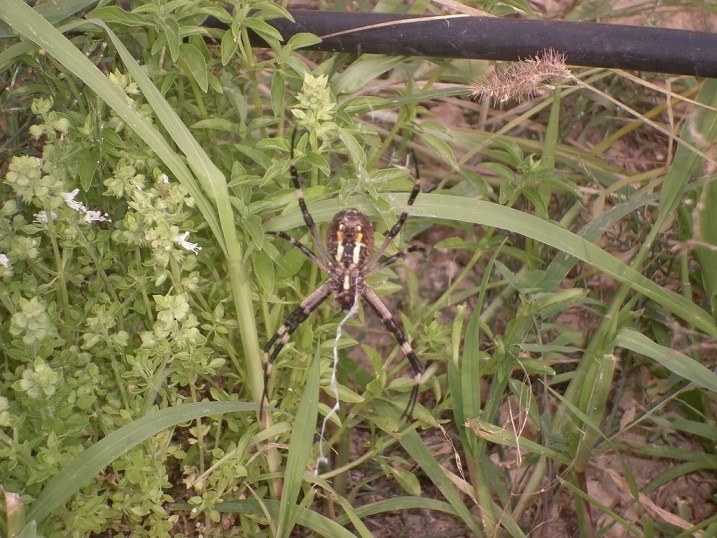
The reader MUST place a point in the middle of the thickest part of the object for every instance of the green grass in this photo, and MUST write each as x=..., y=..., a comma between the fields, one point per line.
x=132, y=360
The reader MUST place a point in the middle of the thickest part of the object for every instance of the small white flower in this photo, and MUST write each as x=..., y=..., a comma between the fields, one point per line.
x=182, y=240
x=88, y=215
x=43, y=218
x=96, y=216
x=164, y=178
x=70, y=200
x=5, y=261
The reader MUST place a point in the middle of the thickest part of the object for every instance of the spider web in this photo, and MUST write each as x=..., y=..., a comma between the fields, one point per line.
x=334, y=385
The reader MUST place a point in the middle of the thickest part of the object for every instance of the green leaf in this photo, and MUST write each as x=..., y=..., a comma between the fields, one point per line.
x=408, y=481
x=255, y=155
x=440, y=147
x=195, y=64
x=513, y=153
x=701, y=127
x=303, y=39
x=524, y=6
x=272, y=9
x=319, y=161
x=534, y=196
x=88, y=166
x=117, y=15
x=217, y=124
x=420, y=453
x=267, y=32
x=594, y=396
x=356, y=152
x=362, y=72
x=502, y=171
x=252, y=224
x=345, y=394
x=228, y=47
x=278, y=87
x=173, y=36
x=264, y=271
x=507, y=437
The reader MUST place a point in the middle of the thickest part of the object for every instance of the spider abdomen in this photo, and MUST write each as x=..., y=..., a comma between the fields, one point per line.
x=350, y=238
x=347, y=287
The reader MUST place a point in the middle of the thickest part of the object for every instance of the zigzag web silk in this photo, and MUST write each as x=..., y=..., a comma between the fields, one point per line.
x=334, y=385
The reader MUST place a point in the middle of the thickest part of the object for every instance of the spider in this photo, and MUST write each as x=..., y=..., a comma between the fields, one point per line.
x=348, y=259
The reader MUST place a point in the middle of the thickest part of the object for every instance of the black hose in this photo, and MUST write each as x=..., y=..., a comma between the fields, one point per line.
x=678, y=52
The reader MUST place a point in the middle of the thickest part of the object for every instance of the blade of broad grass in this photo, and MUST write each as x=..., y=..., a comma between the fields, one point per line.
x=700, y=126
x=302, y=439
x=357, y=106
x=85, y=467
x=597, y=504
x=707, y=431
x=563, y=263
x=705, y=461
x=676, y=362
x=699, y=129
x=352, y=516
x=349, y=513
x=594, y=398
x=706, y=232
x=399, y=504
x=420, y=453
x=465, y=388
x=453, y=208
x=680, y=471
x=53, y=12
x=327, y=527
x=215, y=184
x=502, y=436
x=417, y=449
x=34, y=28
x=469, y=372
x=306, y=518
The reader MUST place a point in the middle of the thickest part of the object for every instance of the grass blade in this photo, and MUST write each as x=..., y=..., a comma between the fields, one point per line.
x=674, y=361
x=302, y=439
x=83, y=469
x=489, y=214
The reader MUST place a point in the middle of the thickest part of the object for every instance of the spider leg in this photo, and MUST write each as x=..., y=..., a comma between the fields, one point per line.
x=308, y=219
x=396, y=228
x=390, y=323
x=281, y=337
x=303, y=248
x=392, y=259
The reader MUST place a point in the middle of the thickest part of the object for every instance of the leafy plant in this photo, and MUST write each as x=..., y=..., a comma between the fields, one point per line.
x=151, y=155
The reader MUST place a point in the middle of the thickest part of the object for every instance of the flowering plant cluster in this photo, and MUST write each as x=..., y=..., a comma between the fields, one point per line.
x=97, y=321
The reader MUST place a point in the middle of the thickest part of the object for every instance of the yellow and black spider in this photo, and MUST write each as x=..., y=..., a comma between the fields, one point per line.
x=348, y=259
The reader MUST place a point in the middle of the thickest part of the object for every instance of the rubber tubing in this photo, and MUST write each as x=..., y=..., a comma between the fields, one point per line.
x=678, y=52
